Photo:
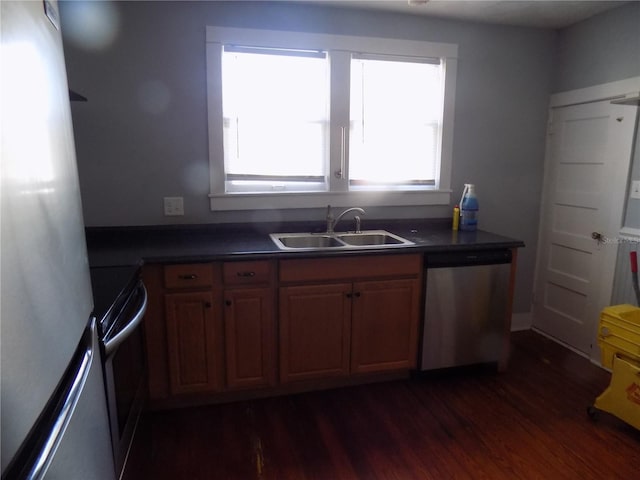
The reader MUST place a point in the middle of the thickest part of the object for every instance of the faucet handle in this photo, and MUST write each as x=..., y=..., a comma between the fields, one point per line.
x=329, y=213
x=329, y=219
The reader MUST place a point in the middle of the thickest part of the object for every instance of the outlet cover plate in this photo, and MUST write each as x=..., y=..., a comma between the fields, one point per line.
x=173, y=206
x=635, y=189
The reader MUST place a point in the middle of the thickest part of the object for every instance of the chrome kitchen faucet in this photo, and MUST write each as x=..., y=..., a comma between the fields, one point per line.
x=331, y=222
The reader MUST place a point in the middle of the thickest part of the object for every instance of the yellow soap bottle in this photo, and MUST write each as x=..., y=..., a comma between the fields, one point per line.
x=456, y=217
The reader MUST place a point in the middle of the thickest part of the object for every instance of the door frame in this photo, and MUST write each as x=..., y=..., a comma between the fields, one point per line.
x=607, y=91
x=620, y=89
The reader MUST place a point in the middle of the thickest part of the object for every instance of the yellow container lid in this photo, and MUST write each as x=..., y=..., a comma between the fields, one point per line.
x=625, y=311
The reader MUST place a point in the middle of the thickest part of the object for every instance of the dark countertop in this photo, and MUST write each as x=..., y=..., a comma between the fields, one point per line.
x=114, y=246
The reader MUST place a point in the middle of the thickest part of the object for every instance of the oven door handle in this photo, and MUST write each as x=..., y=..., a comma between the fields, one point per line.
x=111, y=346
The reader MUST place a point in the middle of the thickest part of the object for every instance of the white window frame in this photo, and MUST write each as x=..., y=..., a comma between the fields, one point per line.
x=340, y=48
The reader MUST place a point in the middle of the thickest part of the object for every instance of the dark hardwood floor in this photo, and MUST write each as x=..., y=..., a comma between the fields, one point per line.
x=527, y=423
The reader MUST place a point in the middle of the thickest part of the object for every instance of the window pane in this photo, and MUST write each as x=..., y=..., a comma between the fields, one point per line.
x=396, y=119
x=275, y=109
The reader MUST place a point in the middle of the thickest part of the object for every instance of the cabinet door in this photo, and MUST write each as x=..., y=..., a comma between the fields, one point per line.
x=192, y=335
x=249, y=337
x=385, y=325
x=315, y=324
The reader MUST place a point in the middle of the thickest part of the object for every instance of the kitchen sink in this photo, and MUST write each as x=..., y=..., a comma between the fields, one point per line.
x=309, y=241
x=338, y=240
x=371, y=238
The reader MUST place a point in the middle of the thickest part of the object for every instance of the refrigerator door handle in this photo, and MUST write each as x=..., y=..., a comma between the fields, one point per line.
x=111, y=346
x=38, y=450
x=46, y=455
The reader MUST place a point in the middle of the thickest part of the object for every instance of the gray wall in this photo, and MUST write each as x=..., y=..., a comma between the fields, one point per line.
x=602, y=49
x=143, y=133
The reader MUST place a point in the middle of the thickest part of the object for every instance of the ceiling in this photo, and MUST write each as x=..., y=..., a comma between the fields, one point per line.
x=537, y=13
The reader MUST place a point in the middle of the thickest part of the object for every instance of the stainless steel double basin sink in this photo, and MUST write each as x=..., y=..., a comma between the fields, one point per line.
x=338, y=241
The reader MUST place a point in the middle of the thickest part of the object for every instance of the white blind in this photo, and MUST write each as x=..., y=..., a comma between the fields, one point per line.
x=395, y=120
x=276, y=115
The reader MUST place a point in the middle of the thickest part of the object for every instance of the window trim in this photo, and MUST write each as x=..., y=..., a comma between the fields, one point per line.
x=341, y=47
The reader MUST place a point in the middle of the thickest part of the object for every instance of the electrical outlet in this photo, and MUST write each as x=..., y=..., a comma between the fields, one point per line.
x=173, y=206
x=635, y=189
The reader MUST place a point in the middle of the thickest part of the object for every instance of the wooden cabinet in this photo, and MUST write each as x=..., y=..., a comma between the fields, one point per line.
x=357, y=315
x=249, y=321
x=315, y=329
x=193, y=322
x=249, y=337
x=384, y=333
x=218, y=331
x=192, y=333
x=210, y=327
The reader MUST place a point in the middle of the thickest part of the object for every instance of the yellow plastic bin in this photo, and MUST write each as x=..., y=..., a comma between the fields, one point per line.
x=619, y=340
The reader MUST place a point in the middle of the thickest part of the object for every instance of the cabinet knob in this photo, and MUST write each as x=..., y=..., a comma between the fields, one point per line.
x=190, y=276
x=227, y=303
x=207, y=304
x=357, y=294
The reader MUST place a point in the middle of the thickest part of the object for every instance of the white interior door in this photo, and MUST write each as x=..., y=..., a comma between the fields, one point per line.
x=587, y=163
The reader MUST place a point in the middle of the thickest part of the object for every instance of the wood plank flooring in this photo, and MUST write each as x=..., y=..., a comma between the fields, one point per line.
x=527, y=423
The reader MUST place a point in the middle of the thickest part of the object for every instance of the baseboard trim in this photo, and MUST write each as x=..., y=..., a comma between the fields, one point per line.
x=521, y=321
x=595, y=361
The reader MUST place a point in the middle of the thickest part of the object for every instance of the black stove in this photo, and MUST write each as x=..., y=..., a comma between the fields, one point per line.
x=112, y=288
x=120, y=301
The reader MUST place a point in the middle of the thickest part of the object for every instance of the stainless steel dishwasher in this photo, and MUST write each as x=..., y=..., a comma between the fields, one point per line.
x=465, y=308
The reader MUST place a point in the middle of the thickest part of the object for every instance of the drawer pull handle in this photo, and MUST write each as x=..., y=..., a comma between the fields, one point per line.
x=190, y=276
x=207, y=304
x=246, y=274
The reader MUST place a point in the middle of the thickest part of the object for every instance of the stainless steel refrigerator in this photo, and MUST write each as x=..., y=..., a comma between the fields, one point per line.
x=53, y=407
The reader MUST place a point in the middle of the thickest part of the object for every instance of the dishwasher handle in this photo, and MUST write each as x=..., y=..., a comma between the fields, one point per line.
x=468, y=258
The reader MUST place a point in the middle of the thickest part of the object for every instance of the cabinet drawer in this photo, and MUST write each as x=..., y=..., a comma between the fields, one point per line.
x=243, y=273
x=347, y=268
x=190, y=275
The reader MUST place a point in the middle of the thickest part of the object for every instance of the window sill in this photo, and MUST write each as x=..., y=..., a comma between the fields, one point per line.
x=268, y=201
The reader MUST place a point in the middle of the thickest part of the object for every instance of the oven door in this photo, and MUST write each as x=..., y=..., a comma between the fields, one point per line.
x=125, y=373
